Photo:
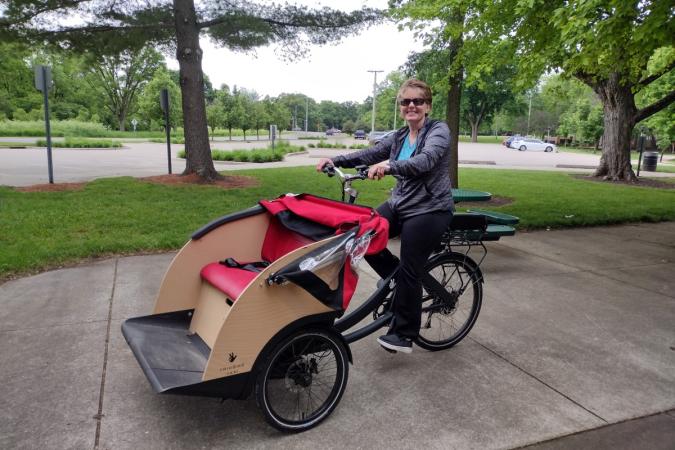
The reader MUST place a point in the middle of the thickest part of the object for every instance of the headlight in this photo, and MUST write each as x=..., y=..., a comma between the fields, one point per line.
x=356, y=248
x=329, y=256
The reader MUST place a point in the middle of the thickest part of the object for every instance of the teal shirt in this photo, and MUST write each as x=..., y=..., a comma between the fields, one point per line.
x=407, y=149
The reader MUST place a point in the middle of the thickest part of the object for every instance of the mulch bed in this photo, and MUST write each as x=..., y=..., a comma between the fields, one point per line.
x=642, y=182
x=227, y=182
x=56, y=187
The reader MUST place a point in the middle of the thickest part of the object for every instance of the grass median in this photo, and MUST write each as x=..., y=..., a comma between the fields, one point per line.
x=41, y=230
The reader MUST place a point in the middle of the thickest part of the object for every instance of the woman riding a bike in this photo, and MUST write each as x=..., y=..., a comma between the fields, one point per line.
x=419, y=209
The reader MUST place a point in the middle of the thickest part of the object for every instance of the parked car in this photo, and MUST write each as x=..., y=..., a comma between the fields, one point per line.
x=376, y=136
x=523, y=144
x=509, y=140
x=360, y=134
x=329, y=132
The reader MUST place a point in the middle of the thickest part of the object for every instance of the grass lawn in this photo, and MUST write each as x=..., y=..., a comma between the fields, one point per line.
x=7, y=144
x=483, y=139
x=40, y=230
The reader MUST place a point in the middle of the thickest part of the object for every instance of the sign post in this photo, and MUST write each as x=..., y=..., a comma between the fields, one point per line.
x=273, y=135
x=641, y=147
x=134, y=122
x=164, y=103
x=43, y=81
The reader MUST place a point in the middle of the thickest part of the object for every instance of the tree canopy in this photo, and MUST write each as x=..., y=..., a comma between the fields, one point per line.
x=606, y=44
x=109, y=27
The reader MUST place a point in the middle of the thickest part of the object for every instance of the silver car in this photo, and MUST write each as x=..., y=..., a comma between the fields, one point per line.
x=377, y=136
x=523, y=144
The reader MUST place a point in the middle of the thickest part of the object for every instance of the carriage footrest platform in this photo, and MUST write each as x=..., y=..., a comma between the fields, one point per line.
x=169, y=355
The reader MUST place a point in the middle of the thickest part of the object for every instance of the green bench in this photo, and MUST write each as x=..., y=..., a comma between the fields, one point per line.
x=472, y=228
x=494, y=217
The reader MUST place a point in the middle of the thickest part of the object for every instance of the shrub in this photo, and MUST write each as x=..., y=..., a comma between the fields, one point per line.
x=80, y=143
x=256, y=155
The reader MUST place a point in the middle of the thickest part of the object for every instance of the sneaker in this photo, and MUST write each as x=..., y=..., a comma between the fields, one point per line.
x=396, y=343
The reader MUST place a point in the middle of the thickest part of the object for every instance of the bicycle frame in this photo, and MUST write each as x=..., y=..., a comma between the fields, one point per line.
x=381, y=295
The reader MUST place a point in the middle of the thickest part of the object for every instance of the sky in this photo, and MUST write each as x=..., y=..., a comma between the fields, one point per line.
x=331, y=72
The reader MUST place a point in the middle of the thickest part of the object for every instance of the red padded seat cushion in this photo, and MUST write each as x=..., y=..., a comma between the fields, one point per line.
x=280, y=241
x=230, y=280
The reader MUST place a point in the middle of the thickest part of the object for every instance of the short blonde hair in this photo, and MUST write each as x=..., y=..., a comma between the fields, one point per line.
x=415, y=83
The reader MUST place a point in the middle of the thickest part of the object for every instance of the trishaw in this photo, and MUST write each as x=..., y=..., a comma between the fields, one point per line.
x=255, y=303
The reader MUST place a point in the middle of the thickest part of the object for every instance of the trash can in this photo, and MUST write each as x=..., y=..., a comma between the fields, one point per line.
x=649, y=161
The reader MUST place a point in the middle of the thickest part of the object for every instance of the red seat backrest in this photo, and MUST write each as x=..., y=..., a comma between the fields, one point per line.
x=280, y=241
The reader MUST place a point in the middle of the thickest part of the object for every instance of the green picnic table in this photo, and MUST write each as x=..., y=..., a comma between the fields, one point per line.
x=498, y=223
x=470, y=195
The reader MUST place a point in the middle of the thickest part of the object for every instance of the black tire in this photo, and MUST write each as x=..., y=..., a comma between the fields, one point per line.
x=444, y=325
x=522, y=148
x=306, y=359
x=548, y=149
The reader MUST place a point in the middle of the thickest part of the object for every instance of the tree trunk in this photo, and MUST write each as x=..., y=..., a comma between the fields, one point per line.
x=619, y=108
x=474, y=131
x=122, y=119
x=453, y=107
x=189, y=55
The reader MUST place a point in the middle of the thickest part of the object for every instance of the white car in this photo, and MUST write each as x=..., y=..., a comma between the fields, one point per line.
x=523, y=144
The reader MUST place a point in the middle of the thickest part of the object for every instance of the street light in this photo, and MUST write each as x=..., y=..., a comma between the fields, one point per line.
x=372, y=122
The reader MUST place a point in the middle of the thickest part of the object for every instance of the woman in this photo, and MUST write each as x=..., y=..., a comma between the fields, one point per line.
x=419, y=209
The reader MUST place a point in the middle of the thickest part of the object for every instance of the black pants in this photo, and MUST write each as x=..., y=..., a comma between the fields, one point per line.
x=419, y=235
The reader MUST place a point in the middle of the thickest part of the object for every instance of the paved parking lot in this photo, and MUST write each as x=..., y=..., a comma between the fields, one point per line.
x=22, y=167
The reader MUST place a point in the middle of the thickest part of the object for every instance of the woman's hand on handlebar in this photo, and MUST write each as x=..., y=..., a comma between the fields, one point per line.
x=323, y=162
x=378, y=172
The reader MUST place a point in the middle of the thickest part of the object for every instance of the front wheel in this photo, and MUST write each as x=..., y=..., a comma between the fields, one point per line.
x=549, y=149
x=522, y=148
x=302, y=380
x=445, y=322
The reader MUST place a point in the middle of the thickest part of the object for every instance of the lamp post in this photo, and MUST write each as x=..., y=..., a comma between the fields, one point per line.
x=372, y=122
x=306, y=112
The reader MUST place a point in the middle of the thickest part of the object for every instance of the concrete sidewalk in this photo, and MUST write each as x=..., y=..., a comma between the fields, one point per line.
x=575, y=339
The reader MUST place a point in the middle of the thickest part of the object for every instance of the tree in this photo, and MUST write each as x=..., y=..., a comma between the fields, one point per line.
x=122, y=76
x=482, y=98
x=215, y=117
x=149, y=100
x=606, y=44
x=661, y=124
x=177, y=24
x=275, y=114
x=260, y=117
x=441, y=25
x=244, y=104
x=16, y=81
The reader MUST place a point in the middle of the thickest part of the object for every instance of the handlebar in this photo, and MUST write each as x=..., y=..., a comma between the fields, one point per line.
x=331, y=171
x=346, y=179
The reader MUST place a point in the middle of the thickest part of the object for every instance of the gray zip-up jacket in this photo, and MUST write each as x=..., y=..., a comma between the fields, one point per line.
x=423, y=181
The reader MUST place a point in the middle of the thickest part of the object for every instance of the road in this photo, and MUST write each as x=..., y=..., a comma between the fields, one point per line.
x=28, y=166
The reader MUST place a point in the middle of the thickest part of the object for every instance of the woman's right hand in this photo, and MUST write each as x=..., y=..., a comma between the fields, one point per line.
x=324, y=162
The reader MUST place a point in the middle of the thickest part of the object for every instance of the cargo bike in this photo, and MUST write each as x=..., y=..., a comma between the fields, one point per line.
x=255, y=303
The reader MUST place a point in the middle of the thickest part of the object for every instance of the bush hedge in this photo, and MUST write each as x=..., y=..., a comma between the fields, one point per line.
x=80, y=143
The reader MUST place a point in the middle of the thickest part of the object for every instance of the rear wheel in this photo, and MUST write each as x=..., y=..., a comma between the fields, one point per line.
x=522, y=148
x=303, y=380
x=445, y=322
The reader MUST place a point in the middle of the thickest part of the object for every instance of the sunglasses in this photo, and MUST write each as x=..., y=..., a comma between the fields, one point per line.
x=415, y=101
